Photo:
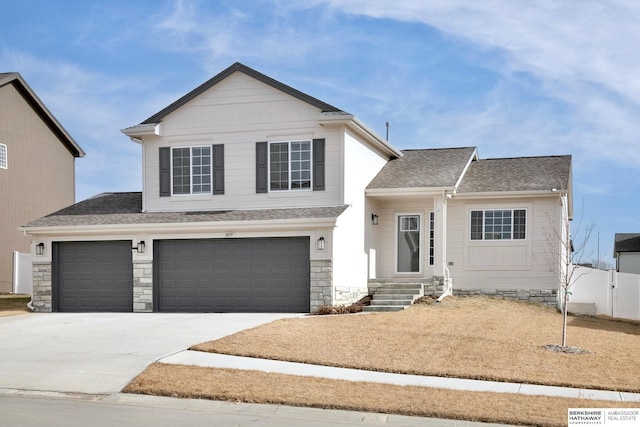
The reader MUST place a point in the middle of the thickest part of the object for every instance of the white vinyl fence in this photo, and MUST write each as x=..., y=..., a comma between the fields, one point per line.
x=22, y=274
x=614, y=294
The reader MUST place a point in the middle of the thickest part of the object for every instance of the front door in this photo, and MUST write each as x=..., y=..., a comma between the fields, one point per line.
x=408, y=243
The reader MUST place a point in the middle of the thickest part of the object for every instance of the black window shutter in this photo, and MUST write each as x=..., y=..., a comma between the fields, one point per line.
x=165, y=171
x=262, y=167
x=318, y=164
x=218, y=168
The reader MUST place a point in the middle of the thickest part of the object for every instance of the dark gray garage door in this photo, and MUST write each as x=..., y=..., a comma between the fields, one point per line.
x=92, y=276
x=232, y=275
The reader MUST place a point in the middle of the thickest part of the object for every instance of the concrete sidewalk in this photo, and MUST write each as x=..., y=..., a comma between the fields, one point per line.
x=213, y=360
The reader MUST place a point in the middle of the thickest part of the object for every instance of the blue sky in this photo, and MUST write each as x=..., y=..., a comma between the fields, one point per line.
x=512, y=78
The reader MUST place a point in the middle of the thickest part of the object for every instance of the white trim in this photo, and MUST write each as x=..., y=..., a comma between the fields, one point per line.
x=407, y=191
x=4, y=157
x=170, y=228
x=142, y=130
x=473, y=157
x=484, y=210
x=431, y=214
x=349, y=120
x=289, y=190
x=396, y=223
x=191, y=147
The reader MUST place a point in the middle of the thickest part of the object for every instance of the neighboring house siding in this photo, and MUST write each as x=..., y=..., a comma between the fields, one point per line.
x=238, y=112
x=354, y=226
x=504, y=264
x=629, y=262
x=39, y=178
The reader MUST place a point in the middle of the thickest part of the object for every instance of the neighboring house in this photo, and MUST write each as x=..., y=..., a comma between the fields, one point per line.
x=626, y=251
x=36, y=167
x=258, y=197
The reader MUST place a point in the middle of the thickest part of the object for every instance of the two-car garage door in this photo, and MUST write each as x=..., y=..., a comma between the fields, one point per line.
x=197, y=275
x=232, y=275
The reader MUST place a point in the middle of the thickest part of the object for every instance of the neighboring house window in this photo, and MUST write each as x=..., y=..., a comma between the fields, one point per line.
x=3, y=156
x=191, y=167
x=290, y=165
x=498, y=224
x=432, y=238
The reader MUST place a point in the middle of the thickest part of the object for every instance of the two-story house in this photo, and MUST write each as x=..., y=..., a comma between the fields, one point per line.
x=37, y=168
x=258, y=197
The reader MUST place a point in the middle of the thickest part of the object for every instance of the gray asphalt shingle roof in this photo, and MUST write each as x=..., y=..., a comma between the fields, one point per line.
x=439, y=167
x=517, y=174
x=125, y=208
x=627, y=242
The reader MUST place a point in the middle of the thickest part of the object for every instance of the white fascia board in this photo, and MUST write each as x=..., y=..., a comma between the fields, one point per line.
x=350, y=121
x=507, y=194
x=473, y=157
x=173, y=228
x=142, y=130
x=418, y=191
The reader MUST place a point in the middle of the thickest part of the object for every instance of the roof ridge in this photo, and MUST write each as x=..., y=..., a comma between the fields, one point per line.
x=526, y=157
x=237, y=66
x=439, y=148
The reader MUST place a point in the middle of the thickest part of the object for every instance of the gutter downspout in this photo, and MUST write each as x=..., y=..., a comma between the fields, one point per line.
x=448, y=281
x=30, y=303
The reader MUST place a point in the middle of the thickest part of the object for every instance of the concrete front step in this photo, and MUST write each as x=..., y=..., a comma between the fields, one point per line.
x=378, y=308
x=400, y=302
x=395, y=296
x=393, y=291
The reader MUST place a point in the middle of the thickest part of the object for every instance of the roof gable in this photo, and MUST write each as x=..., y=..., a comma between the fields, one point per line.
x=428, y=168
x=42, y=111
x=238, y=67
x=518, y=174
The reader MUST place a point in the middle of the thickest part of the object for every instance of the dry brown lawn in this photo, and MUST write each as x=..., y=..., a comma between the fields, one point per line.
x=479, y=338
x=260, y=387
x=11, y=305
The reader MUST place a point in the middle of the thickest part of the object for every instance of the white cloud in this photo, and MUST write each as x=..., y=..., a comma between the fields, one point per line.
x=91, y=107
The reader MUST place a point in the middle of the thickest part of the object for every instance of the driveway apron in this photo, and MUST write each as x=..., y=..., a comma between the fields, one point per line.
x=100, y=353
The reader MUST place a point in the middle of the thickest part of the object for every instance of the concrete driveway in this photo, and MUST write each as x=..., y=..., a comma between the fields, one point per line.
x=99, y=353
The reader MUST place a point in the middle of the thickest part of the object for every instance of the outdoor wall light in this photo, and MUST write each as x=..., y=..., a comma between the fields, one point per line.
x=374, y=219
x=140, y=247
x=320, y=244
x=40, y=249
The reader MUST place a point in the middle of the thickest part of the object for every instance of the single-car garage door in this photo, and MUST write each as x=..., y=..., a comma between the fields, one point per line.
x=232, y=275
x=92, y=276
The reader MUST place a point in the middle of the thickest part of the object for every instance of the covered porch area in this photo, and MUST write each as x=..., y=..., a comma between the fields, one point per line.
x=407, y=247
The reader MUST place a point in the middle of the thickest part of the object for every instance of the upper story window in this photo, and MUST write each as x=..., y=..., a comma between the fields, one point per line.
x=290, y=165
x=3, y=156
x=191, y=170
x=498, y=224
x=198, y=169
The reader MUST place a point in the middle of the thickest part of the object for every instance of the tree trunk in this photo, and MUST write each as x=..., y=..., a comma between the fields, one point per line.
x=564, y=320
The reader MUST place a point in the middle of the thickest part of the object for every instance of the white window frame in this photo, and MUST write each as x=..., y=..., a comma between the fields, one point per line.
x=484, y=219
x=420, y=241
x=289, y=161
x=4, y=158
x=191, y=147
x=431, y=237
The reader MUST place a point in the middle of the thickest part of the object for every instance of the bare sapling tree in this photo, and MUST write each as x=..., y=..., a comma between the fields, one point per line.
x=567, y=250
